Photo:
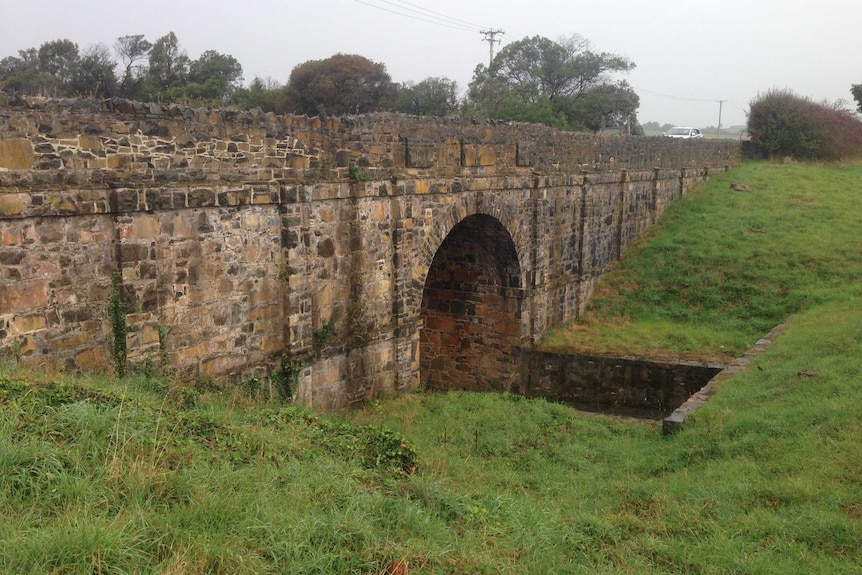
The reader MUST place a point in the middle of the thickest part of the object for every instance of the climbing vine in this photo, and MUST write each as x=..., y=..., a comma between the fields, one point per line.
x=119, y=327
x=324, y=333
x=286, y=378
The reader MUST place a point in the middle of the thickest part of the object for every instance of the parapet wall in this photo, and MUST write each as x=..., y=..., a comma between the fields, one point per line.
x=84, y=143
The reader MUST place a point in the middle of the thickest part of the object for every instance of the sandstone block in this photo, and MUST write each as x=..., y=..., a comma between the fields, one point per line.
x=297, y=162
x=323, y=297
x=421, y=155
x=326, y=214
x=90, y=142
x=268, y=312
x=63, y=205
x=16, y=154
x=10, y=238
x=23, y=296
x=41, y=269
x=13, y=204
x=71, y=341
x=222, y=365
x=487, y=156
x=149, y=334
x=91, y=359
x=508, y=328
x=271, y=344
x=145, y=228
x=183, y=225
x=267, y=292
x=28, y=324
x=118, y=161
x=381, y=211
x=253, y=221
x=380, y=288
x=441, y=323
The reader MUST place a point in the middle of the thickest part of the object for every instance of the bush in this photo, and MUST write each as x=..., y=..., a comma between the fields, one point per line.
x=783, y=124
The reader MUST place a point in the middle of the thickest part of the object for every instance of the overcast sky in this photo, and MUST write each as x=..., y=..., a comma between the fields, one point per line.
x=689, y=53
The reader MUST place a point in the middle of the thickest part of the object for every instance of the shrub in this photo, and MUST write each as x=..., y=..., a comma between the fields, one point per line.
x=377, y=448
x=783, y=124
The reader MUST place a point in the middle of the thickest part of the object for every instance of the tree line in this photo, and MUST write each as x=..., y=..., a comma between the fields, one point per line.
x=133, y=68
x=564, y=83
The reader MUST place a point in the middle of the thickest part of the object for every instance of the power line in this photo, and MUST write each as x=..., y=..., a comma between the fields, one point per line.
x=430, y=49
x=671, y=97
x=436, y=21
x=444, y=16
x=436, y=16
x=704, y=100
x=740, y=108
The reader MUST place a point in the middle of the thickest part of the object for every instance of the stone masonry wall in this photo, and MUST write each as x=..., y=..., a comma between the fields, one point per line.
x=623, y=385
x=243, y=238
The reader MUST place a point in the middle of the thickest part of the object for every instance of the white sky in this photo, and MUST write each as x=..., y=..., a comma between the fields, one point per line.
x=689, y=53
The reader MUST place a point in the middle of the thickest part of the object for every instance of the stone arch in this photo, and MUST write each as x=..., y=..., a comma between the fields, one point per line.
x=471, y=309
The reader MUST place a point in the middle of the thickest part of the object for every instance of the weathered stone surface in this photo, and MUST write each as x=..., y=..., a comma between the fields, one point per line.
x=242, y=239
x=13, y=204
x=16, y=153
x=23, y=296
x=27, y=324
x=624, y=385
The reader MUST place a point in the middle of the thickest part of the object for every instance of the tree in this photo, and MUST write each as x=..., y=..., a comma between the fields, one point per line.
x=213, y=77
x=340, y=84
x=57, y=69
x=21, y=74
x=564, y=83
x=607, y=105
x=535, y=66
x=430, y=97
x=169, y=65
x=59, y=59
x=261, y=93
x=94, y=74
x=491, y=96
x=856, y=90
x=132, y=49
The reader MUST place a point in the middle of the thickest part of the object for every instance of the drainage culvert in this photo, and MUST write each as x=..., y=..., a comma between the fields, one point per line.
x=634, y=387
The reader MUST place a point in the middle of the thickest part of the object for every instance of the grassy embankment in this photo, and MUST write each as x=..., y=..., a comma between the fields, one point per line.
x=725, y=266
x=143, y=476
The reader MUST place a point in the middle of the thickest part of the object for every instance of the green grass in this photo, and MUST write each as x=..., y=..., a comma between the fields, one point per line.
x=144, y=476
x=724, y=267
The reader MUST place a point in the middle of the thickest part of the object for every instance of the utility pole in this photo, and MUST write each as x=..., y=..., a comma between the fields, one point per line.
x=720, y=102
x=490, y=39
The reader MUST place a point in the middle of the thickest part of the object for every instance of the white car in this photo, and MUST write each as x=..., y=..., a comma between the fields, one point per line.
x=684, y=132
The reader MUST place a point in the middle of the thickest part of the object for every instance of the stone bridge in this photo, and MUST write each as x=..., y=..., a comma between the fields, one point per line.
x=373, y=253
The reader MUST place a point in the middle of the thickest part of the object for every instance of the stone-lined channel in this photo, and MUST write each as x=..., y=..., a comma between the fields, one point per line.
x=635, y=387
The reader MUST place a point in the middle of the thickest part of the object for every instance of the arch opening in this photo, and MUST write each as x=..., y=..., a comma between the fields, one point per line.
x=471, y=310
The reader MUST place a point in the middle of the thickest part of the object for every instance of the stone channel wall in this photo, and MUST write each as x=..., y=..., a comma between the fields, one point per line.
x=243, y=238
x=613, y=384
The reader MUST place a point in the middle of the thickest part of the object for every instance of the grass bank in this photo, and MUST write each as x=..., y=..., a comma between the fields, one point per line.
x=149, y=476
x=726, y=266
